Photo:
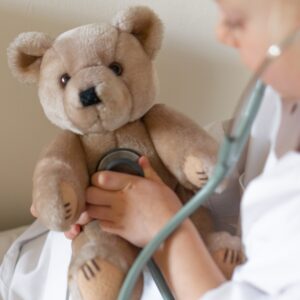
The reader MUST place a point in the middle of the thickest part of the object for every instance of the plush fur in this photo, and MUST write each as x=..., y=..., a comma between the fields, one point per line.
x=124, y=115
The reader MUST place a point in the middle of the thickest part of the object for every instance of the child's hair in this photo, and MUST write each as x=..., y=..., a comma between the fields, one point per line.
x=285, y=18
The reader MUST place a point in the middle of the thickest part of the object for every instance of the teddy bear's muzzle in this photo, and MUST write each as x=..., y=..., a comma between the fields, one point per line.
x=89, y=97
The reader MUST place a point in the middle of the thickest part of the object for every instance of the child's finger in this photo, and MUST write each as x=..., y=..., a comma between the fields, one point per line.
x=101, y=213
x=98, y=196
x=112, y=181
x=75, y=229
x=73, y=232
x=149, y=172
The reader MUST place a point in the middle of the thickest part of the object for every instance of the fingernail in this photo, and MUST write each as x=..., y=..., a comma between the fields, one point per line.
x=143, y=161
x=98, y=178
x=102, y=178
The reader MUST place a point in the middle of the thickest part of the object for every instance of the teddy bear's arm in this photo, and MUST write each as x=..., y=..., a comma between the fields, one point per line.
x=59, y=182
x=187, y=150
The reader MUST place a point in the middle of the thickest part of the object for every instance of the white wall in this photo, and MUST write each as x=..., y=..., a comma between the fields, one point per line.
x=197, y=75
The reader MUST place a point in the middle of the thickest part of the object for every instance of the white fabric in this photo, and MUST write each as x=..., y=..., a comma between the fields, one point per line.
x=36, y=256
x=36, y=266
x=7, y=237
x=270, y=214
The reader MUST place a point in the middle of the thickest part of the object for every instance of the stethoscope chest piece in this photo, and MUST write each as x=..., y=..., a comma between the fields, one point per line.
x=121, y=160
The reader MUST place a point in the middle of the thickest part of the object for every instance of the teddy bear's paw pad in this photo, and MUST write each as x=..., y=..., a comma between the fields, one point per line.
x=90, y=269
x=202, y=177
x=69, y=200
x=227, y=259
x=68, y=210
x=99, y=279
x=195, y=172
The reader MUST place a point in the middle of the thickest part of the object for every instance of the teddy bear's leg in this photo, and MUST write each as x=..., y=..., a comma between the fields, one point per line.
x=99, y=279
x=99, y=265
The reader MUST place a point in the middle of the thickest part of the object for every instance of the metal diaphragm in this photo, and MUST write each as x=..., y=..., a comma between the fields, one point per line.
x=121, y=160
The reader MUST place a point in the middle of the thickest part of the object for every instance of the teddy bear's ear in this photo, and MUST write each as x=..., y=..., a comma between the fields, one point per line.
x=144, y=24
x=25, y=54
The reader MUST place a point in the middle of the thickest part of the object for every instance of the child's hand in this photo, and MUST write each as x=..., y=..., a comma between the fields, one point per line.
x=132, y=207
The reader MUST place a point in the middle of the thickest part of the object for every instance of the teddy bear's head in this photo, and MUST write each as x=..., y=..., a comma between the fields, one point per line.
x=93, y=78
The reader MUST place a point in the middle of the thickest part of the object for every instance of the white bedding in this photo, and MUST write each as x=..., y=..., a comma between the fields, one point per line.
x=38, y=262
x=7, y=237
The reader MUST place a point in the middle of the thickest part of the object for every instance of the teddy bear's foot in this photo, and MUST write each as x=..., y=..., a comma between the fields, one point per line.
x=100, y=262
x=99, y=279
x=226, y=250
x=227, y=259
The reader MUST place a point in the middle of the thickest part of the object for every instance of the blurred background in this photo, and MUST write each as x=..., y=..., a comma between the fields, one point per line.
x=198, y=77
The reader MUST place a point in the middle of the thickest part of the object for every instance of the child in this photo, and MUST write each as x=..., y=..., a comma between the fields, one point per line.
x=138, y=208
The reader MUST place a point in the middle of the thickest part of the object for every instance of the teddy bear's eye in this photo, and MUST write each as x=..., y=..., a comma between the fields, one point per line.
x=116, y=68
x=64, y=79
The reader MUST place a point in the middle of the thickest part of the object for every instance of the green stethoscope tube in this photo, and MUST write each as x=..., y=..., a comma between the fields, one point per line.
x=229, y=154
x=159, y=280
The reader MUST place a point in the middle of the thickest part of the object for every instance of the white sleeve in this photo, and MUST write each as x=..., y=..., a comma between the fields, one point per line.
x=243, y=291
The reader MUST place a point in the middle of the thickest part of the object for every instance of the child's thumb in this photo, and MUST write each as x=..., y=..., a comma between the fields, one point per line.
x=148, y=170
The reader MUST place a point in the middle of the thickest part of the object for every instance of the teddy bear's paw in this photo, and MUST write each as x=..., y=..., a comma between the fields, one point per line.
x=70, y=201
x=198, y=171
x=99, y=279
x=227, y=259
x=195, y=171
x=56, y=204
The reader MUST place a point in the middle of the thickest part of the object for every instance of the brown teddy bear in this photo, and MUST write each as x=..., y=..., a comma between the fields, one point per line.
x=98, y=84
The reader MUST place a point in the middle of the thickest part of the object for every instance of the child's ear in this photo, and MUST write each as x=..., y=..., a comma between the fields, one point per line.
x=144, y=24
x=25, y=54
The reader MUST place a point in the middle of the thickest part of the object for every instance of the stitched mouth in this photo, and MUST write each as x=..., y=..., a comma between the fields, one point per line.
x=95, y=122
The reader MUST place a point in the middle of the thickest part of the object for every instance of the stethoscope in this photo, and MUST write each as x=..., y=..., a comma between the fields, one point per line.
x=126, y=161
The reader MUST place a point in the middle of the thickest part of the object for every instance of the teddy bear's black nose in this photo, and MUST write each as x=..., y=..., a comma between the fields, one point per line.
x=89, y=97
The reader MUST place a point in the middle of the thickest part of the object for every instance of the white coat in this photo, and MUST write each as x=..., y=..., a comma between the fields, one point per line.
x=270, y=210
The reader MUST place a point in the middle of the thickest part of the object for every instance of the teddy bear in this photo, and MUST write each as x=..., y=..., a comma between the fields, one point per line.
x=98, y=84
